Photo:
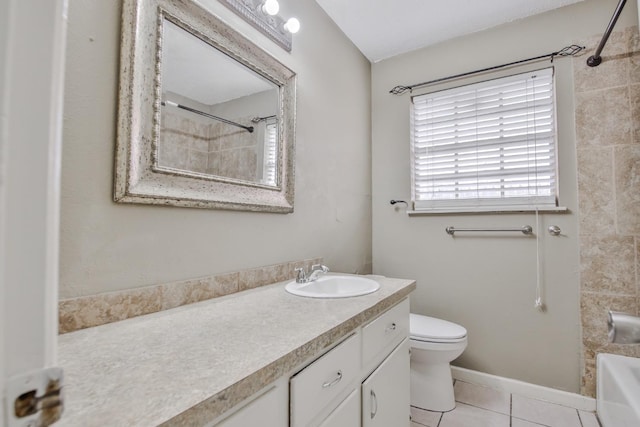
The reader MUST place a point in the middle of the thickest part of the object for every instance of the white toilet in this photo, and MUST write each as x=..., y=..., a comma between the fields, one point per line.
x=434, y=344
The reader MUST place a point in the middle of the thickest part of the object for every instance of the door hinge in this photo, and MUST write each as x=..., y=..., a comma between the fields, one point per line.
x=35, y=399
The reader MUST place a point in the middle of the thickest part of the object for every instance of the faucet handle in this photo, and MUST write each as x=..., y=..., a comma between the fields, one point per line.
x=301, y=275
x=324, y=268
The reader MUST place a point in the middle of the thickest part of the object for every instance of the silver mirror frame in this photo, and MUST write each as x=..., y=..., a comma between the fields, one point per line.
x=137, y=179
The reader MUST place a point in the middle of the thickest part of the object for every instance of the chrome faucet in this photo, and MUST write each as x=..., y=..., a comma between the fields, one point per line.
x=316, y=271
x=623, y=328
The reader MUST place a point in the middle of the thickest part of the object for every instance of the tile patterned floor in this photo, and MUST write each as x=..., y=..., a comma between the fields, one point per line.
x=479, y=406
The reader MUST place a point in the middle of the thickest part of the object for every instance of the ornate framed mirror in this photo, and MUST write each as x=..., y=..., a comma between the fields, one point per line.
x=206, y=118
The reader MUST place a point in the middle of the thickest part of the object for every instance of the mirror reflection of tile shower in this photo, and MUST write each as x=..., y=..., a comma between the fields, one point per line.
x=217, y=117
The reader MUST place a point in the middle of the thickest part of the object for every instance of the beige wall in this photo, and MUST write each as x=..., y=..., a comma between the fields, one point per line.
x=487, y=283
x=607, y=139
x=107, y=246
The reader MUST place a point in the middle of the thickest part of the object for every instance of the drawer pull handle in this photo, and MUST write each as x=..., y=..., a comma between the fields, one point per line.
x=374, y=404
x=334, y=382
x=391, y=327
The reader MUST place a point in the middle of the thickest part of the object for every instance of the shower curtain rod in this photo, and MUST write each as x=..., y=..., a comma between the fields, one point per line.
x=567, y=51
x=595, y=59
x=261, y=119
x=211, y=116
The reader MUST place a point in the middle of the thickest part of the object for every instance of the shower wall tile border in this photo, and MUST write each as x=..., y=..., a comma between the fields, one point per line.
x=95, y=310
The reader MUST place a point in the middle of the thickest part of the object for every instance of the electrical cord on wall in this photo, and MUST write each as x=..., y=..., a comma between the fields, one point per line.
x=539, y=305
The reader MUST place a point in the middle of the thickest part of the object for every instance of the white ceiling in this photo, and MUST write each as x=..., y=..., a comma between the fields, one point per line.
x=385, y=28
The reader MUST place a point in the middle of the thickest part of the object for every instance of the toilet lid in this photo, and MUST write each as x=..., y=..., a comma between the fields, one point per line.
x=431, y=329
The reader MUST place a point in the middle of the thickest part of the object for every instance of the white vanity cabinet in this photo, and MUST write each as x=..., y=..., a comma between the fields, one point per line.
x=364, y=381
x=385, y=393
x=385, y=358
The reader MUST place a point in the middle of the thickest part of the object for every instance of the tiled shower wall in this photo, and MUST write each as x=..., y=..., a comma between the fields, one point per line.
x=183, y=143
x=211, y=148
x=233, y=152
x=608, y=154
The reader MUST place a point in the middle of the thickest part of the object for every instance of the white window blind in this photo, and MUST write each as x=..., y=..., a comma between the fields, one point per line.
x=486, y=146
x=270, y=163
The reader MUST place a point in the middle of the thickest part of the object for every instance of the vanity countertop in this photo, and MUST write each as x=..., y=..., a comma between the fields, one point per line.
x=188, y=365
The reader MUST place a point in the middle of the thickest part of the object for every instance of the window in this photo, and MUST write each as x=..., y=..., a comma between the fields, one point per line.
x=489, y=146
x=270, y=153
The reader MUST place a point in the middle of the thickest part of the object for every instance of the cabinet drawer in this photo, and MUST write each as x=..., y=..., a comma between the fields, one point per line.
x=381, y=335
x=313, y=388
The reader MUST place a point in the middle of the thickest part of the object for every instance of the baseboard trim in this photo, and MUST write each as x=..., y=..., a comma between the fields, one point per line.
x=522, y=388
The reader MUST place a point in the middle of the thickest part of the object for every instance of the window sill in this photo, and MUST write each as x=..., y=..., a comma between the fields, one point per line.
x=487, y=210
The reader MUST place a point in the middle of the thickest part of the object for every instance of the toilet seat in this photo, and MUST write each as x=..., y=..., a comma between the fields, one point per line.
x=430, y=329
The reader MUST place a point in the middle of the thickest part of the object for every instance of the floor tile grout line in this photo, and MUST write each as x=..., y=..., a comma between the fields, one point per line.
x=580, y=419
x=535, y=423
x=484, y=409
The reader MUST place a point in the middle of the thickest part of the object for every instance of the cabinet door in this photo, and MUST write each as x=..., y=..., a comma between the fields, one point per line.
x=347, y=414
x=385, y=394
x=270, y=409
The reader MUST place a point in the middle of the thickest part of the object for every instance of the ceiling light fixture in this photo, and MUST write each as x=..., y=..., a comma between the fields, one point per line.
x=270, y=7
x=264, y=16
x=292, y=25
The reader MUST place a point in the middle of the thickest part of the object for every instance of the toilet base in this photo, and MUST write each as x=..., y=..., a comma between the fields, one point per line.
x=432, y=386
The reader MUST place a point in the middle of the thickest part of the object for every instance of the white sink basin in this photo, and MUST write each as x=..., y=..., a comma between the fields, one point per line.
x=333, y=286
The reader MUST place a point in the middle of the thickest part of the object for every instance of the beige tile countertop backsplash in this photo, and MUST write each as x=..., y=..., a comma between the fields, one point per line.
x=188, y=365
